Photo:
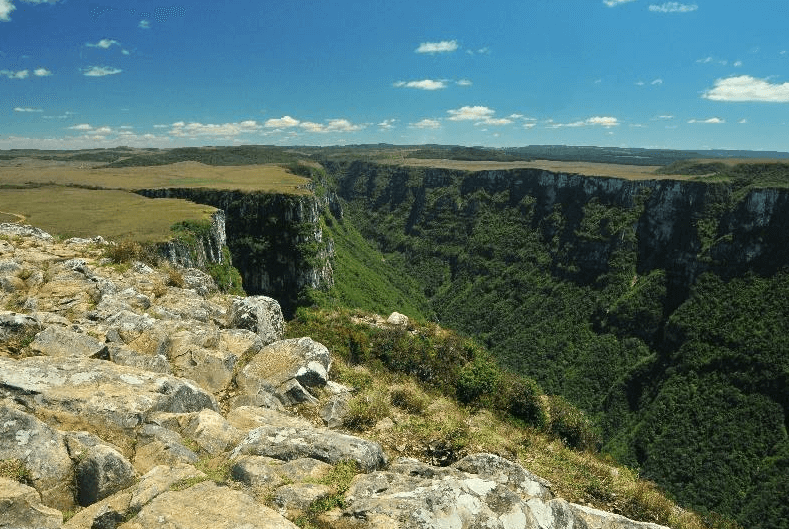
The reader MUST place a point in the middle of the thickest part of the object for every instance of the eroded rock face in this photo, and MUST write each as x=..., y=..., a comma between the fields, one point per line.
x=21, y=508
x=102, y=472
x=259, y=314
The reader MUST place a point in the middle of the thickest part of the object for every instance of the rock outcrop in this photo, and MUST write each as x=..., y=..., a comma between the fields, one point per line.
x=133, y=404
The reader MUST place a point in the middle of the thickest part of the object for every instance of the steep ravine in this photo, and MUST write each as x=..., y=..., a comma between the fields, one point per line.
x=275, y=240
x=660, y=306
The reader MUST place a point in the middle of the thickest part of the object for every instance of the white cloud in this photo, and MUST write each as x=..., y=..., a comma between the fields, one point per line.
x=387, y=124
x=21, y=74
x=737, y=64
x=437, y=47
x=747, y=88
x=594, y=121
x=103, y=43
x=529, y=125
x=41, y=72
x=334, y=125
x=81, y=126
x=657, y=81
x=665, y=116
x=5, y=10
x=743, y=121
x=464, y=82
x=426, y=84
x=640, y=83
x=27, y=109
x=705, y=60
x=673, y=7
x=612, y=3
x=101, y=71
x=471, y=113
x=144, y=24
x=426, y=124
x=494, y=121
x=712, y=121
x=283, y=122
x=195, y=129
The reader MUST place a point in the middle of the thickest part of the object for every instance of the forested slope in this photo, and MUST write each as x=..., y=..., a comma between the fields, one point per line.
x=660, y=307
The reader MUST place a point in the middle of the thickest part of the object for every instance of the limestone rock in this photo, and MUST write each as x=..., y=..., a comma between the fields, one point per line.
x=126, y=356
x=596, y=519
x=317, y=443
x=286, y=369
x=248, y=418
x=212, y=432
x=57, y=341
x=199, y=281
x=259, y=314
x=101, y=473
x=335, y=410
x=206, y=505
x=21, y=508
x=11, y=229
x=256, y=471
x=505, y=472
x=95, y=395
x=297, y=497
x=43, y=452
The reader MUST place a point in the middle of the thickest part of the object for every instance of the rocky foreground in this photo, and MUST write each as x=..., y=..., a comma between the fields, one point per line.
x=127, y=393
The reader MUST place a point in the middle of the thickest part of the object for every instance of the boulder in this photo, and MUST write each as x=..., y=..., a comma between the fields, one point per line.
x=102, y=472
x=597, y=519
x=126, y=356
x=505, y=472
x=157, y=445
x=335, y=410
x=296, y=498
x=58, y=341
x=206, y=505
x=285, y=369
x=259, y=314
x=256, y=471
x=97, y=396
x=43, y=452
x=212, y=432
x=316, y=443
x=395, y=318
x=21, y=508
x=248, y=418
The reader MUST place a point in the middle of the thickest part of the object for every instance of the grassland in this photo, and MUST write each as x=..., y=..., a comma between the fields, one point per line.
x=113, y=214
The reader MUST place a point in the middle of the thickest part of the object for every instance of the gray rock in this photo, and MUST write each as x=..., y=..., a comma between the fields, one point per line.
x=57, y=341
x=260, y=314
x=512, y=475
x=395, y=318
x=304, y=469
x=13, y=323
x=206, y=505
x=43, y=452
x=248, y=418
x=286, y=369
x=199, y=281
x=98, y=395
x=297, y=497
x=11, y=229
x=317, y=443
x=256, y=471
x=335, y=410
x=596, y=519
x=102, y=472
x=212, y=432
x=126, y=356
x=21, y=508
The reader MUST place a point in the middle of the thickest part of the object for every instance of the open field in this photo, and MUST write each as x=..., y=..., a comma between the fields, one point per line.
x=113, y=214
x=630, y=172
x=267, y=178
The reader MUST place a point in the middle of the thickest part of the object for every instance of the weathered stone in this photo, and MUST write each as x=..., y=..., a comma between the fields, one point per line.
x=297, y=497
x=395, y=318
x=102, y=472
x=43, y=452
x=206, y=505
x=500, y=470
x=260, y=314
x=317, y=443
x=126, y=356
x=596, y=519
x=304, y=469
x=256, y=471
x=212, y=369
x=285, y=369
x=199, y=281
x=95, y=395
x=11, y=229
x=212, y=432
x=335, y=410
x=158, y=480
x=57, y=341
x=21, y=508
x=248, y=418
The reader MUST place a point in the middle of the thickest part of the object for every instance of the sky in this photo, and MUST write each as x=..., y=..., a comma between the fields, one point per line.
x=711, y=74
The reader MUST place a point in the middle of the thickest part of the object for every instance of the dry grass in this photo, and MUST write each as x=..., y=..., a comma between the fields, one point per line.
x=75, y=212
x=269, y=177
x=630, y=172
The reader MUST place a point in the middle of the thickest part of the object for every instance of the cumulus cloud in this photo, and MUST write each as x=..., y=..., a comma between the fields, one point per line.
x=665, y=116
x=103, y=43
x=144, y=24
x=712, y=121
x=81, y=126
x=612, y=3
x=101, y=71
x=657, y=81
x=426, y=124
x=284, y=122
x=444, y=46
x=673, y=7
x=594, y=121
x=387, y=124
x=468, y=113
x=425, y=84
x=333, y=125
x=464, y=82
x=27, y=109
x=5, y=10
x=746, y=88
x=41, y=72
x=194, y=129
x=21, y=74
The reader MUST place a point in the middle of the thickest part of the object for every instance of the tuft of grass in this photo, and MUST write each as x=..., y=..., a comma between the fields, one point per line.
x=15, y=469
x=409, y=399
x=127, y=250
x=366, y=409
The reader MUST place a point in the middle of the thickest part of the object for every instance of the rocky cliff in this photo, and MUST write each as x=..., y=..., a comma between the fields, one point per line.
x=128, y=402
x=275, y=240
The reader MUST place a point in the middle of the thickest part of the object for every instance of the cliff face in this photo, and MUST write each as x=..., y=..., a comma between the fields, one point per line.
x=202, y=249
x=276, y=241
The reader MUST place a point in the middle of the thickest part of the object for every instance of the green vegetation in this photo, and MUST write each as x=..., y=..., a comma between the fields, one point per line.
x=241, y=155
x=16, y=470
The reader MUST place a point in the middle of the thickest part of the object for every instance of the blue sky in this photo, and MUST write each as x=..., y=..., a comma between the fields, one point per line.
x=631, y=73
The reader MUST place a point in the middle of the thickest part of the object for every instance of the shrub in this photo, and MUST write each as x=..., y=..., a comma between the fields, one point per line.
x=409, y=399
x=366, y=409
x=15, y=469
x=522, y=398
x=127, y=251
x=570, y=425
x=478, y=382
